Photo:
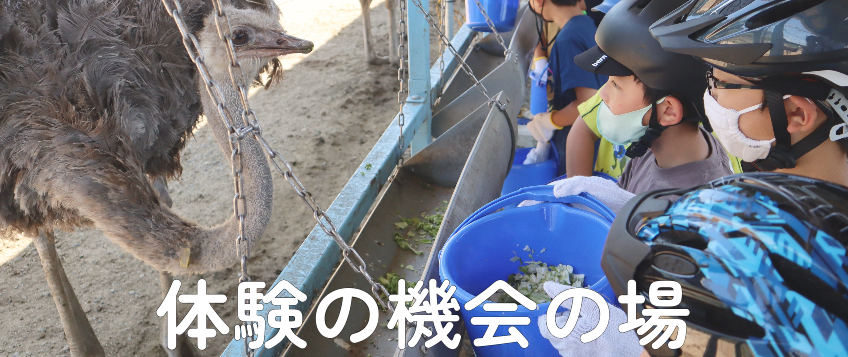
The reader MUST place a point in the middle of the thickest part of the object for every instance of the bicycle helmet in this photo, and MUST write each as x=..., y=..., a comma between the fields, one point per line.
x=625, y=47
x=795, y=47
x=761, y=259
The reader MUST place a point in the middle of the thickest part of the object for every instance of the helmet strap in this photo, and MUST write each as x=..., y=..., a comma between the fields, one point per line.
x=639, y=148
x=784, y=155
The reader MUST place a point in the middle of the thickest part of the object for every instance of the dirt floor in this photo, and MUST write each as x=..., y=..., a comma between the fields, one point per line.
x=324, y=118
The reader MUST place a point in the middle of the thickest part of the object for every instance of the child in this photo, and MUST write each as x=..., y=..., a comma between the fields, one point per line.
x=776, y=116
x=570, y=85
x=651, y=102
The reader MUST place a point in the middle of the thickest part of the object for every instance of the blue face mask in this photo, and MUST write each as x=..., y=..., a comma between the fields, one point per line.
x=622, y=129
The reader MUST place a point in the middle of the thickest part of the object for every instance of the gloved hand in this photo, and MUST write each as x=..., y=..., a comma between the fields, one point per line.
x=538, y=154
x=542, y=127
x=539, y=70
x=604, y=190
x=611, y=343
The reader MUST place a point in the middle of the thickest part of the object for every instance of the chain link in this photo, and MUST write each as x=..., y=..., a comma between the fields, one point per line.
x=403, y=84
x=442, y=12
x=465, y=67
x=252, y=127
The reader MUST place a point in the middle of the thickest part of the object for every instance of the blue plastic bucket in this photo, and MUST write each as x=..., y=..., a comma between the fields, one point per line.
x=501, y=12
x=478, y=253
x=521, y=175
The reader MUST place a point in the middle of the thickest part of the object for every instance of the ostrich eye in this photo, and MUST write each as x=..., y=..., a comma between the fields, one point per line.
x=240, y=37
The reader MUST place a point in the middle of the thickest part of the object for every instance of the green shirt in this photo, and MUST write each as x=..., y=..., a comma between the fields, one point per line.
x=609, y=158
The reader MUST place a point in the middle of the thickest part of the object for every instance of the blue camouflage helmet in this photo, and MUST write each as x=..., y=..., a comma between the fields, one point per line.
x=761, y=259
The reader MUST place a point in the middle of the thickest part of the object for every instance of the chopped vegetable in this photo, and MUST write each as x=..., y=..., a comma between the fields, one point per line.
x=409, y=267
x=390, y=282
x=427, y=225
x=403, y=244
x=368, y=166
x=531, y=278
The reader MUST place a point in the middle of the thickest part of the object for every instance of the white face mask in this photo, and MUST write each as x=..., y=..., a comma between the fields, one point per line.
x=725, y=123
x=622, y=129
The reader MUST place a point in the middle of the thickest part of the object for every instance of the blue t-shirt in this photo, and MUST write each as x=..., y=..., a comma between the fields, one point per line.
x=577, y=36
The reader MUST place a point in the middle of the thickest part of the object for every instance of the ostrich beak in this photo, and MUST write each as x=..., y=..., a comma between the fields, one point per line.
x=269, y=44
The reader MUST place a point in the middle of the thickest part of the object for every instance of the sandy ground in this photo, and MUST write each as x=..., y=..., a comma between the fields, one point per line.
x=324, y=118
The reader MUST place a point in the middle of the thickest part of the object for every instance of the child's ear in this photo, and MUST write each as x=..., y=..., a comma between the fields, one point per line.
x=670, y=111
x=801, y=114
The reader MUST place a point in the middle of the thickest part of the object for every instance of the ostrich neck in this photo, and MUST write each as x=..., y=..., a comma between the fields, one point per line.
x=217, y=243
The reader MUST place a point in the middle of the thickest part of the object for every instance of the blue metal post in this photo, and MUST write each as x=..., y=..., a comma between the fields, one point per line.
x=449, y=18
x=418, y=30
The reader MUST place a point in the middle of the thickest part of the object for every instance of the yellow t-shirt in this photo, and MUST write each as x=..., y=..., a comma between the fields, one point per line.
x=609, y=158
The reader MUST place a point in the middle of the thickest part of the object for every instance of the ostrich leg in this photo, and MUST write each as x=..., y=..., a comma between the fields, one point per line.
x=370, y=55
x=184, y=348
x=393, y=32
x=81, y=338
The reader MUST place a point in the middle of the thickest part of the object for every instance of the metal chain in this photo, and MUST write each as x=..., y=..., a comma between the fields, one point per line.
x=443, y=26
x=465, y=67
x=192, y=46
x=492, y=27
x=252, y=127
x=402, y=90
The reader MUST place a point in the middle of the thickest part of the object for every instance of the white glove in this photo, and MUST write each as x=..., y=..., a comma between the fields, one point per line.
x=539, y=71
x=538, y=154
x=542, y=127
x=604, y=190
x=611, y=343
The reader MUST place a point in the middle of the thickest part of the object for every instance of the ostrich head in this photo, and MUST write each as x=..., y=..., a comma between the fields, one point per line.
x=258, y=38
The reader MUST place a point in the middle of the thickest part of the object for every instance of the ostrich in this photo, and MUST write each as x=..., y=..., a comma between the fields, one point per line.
x=97, y=98
x=370, y=54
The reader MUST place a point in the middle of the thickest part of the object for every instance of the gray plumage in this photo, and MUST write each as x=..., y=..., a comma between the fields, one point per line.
x=101, y=82
x=97, y=98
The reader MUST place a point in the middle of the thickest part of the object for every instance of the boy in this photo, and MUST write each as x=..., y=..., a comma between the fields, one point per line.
x=570, y=85
x=651, y=103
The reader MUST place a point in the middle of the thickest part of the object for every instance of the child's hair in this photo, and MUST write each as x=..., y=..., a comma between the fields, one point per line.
x=649, y=94
x=565, y=2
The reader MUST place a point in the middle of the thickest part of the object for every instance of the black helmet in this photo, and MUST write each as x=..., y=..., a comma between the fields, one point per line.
x=626, y=47
x=796, y=47
x=760, y=259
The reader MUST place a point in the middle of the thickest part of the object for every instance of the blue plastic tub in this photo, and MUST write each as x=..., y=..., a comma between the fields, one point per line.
x=501, y=12
x=521, y=175
x=478, y=253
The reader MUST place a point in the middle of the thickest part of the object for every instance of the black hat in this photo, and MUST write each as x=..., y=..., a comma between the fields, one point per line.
x=596, y=61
